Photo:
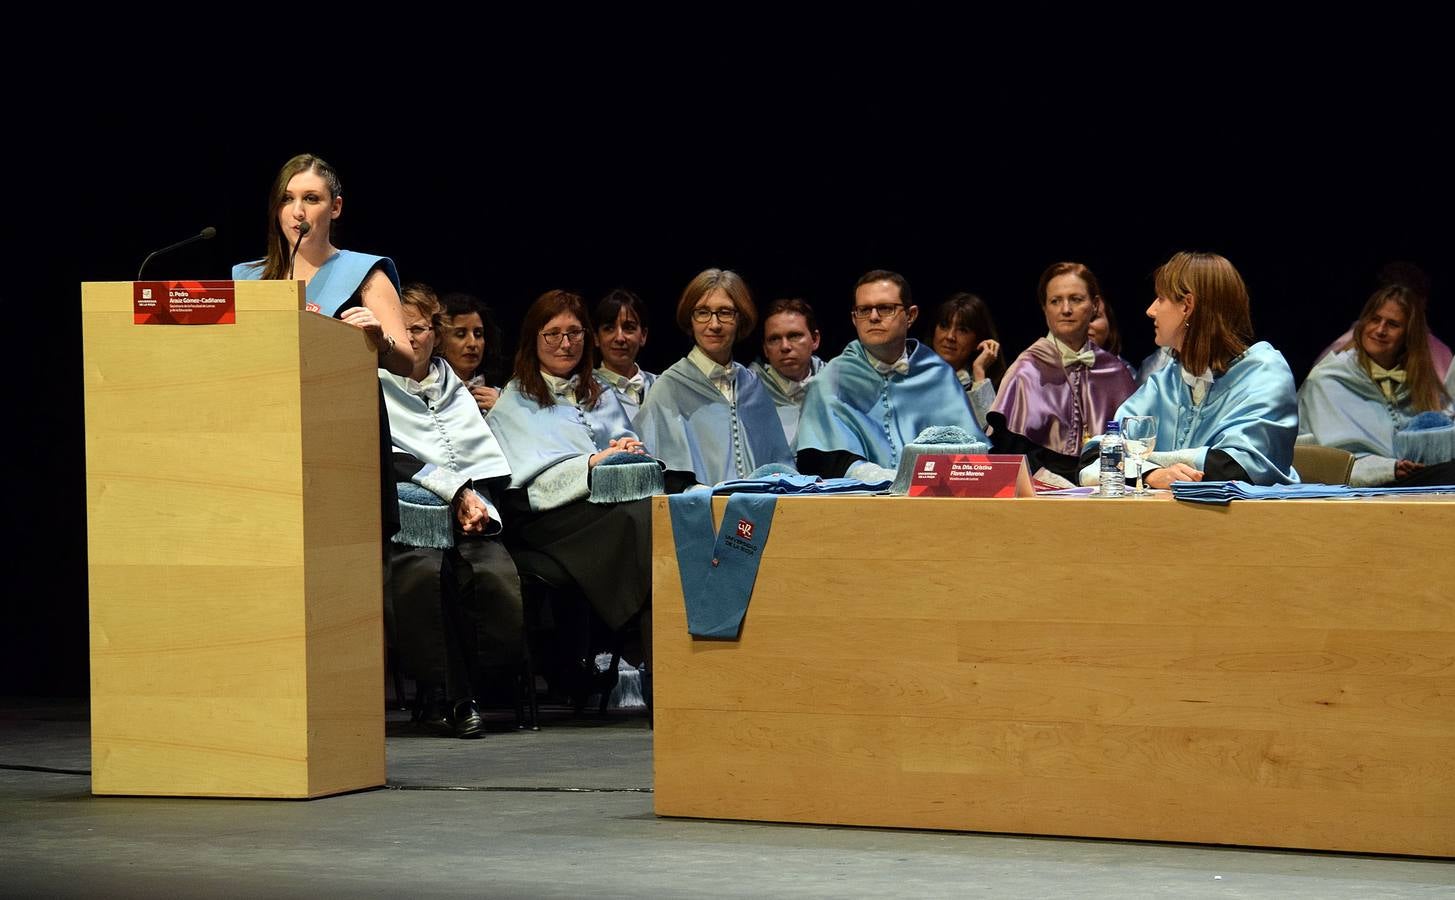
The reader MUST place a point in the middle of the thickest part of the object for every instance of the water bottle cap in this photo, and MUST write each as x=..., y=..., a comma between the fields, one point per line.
x=1113, y=426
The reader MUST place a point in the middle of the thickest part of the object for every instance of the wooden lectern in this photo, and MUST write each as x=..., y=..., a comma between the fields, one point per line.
x=234, y=550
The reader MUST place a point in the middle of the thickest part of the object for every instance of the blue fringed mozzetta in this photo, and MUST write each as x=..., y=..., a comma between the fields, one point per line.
x=424, y=519
x=1428, y=439
x=626, y=476
x=948, y=439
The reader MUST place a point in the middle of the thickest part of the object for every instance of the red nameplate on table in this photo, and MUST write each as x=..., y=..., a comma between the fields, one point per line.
x=970, y=475
x=183, y=302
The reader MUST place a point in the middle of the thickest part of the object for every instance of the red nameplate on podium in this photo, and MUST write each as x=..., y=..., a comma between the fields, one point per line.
x=970, y=475
x=183, y=302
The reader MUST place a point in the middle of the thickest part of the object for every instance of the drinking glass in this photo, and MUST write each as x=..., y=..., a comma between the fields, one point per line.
x=1140, y=435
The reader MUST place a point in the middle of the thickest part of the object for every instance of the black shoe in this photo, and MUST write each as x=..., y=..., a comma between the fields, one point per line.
x=466, y=719
x=433, y=714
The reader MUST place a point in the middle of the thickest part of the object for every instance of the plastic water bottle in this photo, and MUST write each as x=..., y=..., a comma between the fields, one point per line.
x=1112, y=453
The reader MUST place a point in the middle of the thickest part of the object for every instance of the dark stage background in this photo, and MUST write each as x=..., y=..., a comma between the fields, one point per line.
x=591, y=172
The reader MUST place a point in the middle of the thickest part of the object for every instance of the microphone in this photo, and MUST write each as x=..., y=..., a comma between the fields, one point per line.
x=205, y=234
x=303, y=229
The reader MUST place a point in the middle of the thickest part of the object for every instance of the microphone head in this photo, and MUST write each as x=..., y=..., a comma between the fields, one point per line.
x=304, y=228
x=208, y=233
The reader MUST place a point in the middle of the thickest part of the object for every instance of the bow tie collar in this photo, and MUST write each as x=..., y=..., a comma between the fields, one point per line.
x=634, y=387
x=899, y=366
x=721, y=375
x=1391, y=381
x=561, y=387
x=1083, y=357
x=430, y=389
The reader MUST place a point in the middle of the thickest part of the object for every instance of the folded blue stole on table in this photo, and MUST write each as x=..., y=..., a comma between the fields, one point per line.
x=718, y=568
x=793, y=483
x=1223, y=492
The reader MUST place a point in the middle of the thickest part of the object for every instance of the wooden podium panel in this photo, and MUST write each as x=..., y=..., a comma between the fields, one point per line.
x=234, y=551
x=1274, y=674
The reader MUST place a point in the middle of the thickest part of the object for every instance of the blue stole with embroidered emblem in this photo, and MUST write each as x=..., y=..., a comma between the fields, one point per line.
x=718, y=569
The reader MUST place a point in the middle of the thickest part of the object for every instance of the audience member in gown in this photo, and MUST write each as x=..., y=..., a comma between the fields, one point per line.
x=1106, y=335
x=470, y=343
x=621, y=333
x=790, y=342
x=1413, y=278
x=879, y=394
x=1225, y=406
x=964, y=336
x=708, y=418
x=1361, y=396
x=557, y=424
x=452, y=612
x=1064, y=388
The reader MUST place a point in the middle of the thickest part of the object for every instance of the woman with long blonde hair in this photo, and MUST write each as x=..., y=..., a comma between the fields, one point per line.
x=1364, y=397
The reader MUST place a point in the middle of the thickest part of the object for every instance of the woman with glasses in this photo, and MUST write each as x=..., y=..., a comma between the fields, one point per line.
x=708, y=418
x=1225, y=406
x=1064, y=388
x=453, y=606
x=557, y=425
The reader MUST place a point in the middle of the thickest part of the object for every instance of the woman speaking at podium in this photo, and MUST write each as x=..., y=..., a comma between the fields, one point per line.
x=357, y=288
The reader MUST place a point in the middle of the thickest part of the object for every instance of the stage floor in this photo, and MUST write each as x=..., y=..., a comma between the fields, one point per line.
x=566, y=811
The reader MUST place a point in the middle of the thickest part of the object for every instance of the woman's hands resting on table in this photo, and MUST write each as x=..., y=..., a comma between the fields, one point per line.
x=1161, y=478
x=1406, y=467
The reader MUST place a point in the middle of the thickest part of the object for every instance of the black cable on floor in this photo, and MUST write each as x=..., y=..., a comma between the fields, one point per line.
x=45, y=769
x=398, y=787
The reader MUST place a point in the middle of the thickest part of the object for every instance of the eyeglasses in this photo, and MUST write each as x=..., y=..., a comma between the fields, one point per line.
x=885, y=310
x=725, y=316
x=418, y=330
x=553, y=338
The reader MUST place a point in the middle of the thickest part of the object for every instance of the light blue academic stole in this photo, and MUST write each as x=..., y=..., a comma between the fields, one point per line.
x=334, y=282
x=718, y=569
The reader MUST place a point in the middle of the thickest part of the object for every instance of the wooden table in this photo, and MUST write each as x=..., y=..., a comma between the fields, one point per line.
x=1277, y=674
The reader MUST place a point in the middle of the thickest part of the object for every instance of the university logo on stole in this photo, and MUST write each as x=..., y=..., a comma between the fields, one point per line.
x=742, y=541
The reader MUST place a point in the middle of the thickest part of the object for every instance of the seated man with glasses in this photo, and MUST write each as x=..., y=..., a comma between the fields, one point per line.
x=708, y=418
x=790, y=337
x=880, y=393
